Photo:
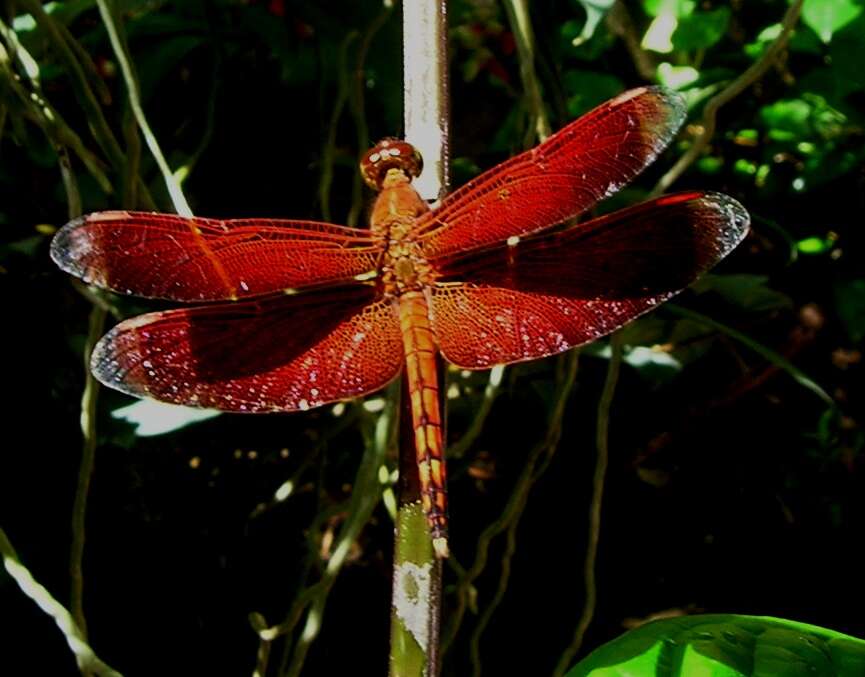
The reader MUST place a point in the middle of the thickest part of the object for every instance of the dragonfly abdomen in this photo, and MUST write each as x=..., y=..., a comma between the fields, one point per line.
x=422, y=382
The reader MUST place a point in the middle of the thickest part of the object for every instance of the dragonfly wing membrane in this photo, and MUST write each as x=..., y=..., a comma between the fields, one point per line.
x=561, y=178
x=550, y=293
x=193, y=259
x=280, y=353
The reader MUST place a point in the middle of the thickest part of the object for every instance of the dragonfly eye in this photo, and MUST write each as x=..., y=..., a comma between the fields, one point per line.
x=390, y=153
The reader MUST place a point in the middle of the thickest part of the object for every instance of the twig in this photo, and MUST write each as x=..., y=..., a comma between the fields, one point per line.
x=491, y=391
x=778, y=360
x=621, y=24
x=365, y=496
x=356, y=106
x=730, y=92
x=602, y=443
x=85, y=657
x=117, y=39
x=516, y=503
x=521, y=25
x=536, y=465
x=85, y=470
x=329, y=150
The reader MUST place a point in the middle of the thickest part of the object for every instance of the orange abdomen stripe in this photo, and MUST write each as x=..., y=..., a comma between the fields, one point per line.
x=422, y=380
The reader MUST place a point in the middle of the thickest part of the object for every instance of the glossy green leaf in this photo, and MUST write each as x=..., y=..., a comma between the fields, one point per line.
x=748, y=292
x=595, y=11
x=701, y=30
x=587, y=89
x=726, y=645
x=848, y=55
x=814, y=245
x=827, y=17
x=850, y=300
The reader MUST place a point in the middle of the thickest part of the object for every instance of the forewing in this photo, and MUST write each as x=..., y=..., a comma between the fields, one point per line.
x=559, y=179
x=279, y=353
x=195, y=259
x=549, y=293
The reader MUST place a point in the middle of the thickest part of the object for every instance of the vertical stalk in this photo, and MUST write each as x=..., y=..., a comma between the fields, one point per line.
x=602, y=443
x=416, y=602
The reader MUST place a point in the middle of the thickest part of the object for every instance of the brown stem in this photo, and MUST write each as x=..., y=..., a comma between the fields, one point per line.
x=734, y=89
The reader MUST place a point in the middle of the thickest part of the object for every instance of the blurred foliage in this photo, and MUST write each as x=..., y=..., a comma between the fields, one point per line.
x=731, y=487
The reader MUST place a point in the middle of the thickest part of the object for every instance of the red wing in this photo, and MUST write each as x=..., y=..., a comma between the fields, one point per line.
x=194, y=259
x=561, y=178
x=552, y=292
x=277, y=353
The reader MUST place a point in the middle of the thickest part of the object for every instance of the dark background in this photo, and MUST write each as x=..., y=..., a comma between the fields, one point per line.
x=731, y=488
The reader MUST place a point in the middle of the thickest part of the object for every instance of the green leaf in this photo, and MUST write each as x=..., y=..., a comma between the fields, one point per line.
x=726, y=644
x=848, y=54
x=850, y=301
x=829, y=16
x=677, y=77
x=748, y=292
x=587, y=89
x=701, y=29
x=814, y=245
x=595, y=11
x=788, y=115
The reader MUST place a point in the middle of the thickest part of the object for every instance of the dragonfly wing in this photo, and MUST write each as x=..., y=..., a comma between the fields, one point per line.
x=559, y=179
x=550, y=293
x=278, y=353
x=195, y=259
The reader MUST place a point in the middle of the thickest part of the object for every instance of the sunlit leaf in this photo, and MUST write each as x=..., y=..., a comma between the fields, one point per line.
x=158, y=418
x=726, y=645
x=595, y=11
x=676, y=77
x=827, y=17
x=701, y=30
x=814, y=245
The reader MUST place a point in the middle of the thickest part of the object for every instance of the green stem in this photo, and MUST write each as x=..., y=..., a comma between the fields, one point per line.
x=118, y=44
x=365, y=496
x=521, y=25
x=730, y=92
x=87, y=660
x=602, y=443
x=778, y=360
x=536, y=463
x=85, y=470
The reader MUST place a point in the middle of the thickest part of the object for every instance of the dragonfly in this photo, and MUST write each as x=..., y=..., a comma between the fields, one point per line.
x=286, y=315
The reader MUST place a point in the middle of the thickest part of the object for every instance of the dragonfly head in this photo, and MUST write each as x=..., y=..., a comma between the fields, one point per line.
x=390, y=153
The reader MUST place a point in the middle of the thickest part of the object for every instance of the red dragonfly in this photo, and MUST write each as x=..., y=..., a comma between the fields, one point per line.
x=297, y=314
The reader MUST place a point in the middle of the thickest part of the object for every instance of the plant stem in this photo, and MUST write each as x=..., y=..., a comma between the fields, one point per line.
x=416, y=601
x=88, y=661
x=118, y=44
x=730, y=92
x=602, y=443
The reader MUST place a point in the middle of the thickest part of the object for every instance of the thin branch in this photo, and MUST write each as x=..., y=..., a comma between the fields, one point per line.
x=778, y=360
x=356, y=106
x=85, y=470
x=536, y=465
x=115, y=35
x=87, y=660
x=730, y=92
x=521, y=25
x=329, y=150
x=621, y=24
x=491, y=391
x=515, y=506
x=602, y=442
